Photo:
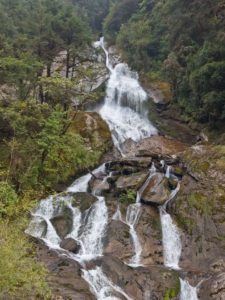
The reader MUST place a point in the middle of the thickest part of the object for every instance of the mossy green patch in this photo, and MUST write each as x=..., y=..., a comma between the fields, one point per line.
x=186, y=223
x=200, y=202
x=172, y=292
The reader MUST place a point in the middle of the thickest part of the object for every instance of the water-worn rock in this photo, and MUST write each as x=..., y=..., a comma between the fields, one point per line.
x=155, y=146
x=133, y=165
x=157, y=190
x=70, y=245
x=150, y=236
x=99, y=185
x=117, y=240
x=65, y=276
x=63, y=223
x=138, y=282
x=134, y=181
x=83, y=200
x=213, y=288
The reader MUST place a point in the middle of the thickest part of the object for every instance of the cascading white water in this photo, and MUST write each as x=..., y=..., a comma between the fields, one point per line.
x=168, y=171
x=132, y=217
x=90, y=239
x=187, y=292
x=172, y=246
x=117, y=216
x=123, y=109
x=101, y=286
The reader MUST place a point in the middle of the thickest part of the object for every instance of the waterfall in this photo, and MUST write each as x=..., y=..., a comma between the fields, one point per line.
x=172, y=246
x=117, y=215
x=187, y=292
x=101, y=286
x=125, y=113
x=124, y=106
x=168, y=171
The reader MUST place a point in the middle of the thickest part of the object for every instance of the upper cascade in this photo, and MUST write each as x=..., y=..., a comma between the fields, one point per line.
x=124, y=107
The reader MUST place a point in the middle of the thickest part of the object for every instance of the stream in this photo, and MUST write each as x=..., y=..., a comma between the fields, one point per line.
x=125, y=113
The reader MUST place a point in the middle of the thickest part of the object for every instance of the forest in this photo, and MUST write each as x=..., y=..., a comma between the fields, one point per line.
x=180, y=42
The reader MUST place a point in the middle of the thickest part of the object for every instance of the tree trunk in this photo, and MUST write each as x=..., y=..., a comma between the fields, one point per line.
x=67, y=63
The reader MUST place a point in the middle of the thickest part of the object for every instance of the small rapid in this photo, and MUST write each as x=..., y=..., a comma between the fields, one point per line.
x=187, y=292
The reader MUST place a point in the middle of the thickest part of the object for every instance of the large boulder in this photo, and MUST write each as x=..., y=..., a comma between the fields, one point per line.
x=82, y=200
x=140, y=283
x=155, y=147
x=70, y=245
x=63, y=223
x=156, y=192
x=64, y=277
x=93, y=129
x=99, y=186
x=133, y=181
x=117, y=240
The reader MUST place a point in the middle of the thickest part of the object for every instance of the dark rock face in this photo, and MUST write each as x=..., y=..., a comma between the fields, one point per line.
x=70, y=245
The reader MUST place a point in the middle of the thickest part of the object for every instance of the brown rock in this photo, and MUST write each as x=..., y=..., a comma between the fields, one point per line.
x=156, y=146
x=70, y=245
x=157, y=190
x=117, y=241
x=134, y=181
x=83, y=200
x=63, y=223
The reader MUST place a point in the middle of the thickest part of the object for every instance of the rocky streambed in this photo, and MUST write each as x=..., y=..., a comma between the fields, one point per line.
x=196, y=210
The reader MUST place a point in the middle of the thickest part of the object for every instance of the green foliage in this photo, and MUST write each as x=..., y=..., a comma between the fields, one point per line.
x=8, y=199
x=201, y=203
x=43, y=150
x=128, y=197
x=21, y=274
x=181, y=42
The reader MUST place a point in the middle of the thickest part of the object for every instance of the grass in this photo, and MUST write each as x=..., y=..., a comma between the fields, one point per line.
x=21, y=275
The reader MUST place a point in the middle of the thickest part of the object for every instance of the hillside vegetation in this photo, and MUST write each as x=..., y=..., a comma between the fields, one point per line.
x=179, y=41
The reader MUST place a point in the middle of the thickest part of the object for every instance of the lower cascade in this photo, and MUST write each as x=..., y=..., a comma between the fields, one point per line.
x=187, y=291
x=124, y=111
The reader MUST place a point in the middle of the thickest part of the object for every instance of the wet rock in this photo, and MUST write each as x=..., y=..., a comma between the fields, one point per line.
x=178, y=171
x=70, y=245
x=63, y=223
x=150, y=236
x=65, y=276
x=100, y=186
x=137, y=282
x=155, y=147
x=134, y=181
x=117, y=241
x=157, y=191
x=95, y=130
x=172, y=184
x=83, y=200
x=213, y=288
x=134, y=164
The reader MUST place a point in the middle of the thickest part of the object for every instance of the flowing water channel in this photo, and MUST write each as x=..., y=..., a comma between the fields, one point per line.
x=125, y=113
